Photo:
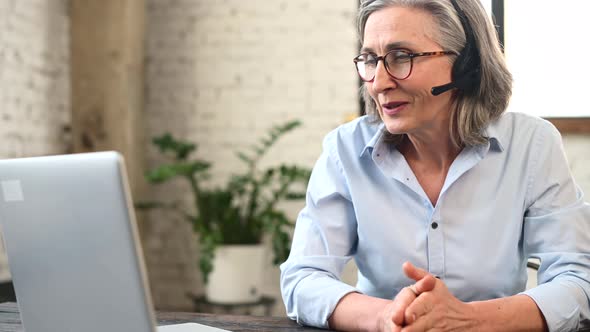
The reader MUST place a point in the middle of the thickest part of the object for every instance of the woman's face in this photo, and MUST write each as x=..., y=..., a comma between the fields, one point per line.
x=407, y=106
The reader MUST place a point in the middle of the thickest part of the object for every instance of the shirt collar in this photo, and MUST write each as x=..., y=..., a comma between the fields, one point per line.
x=373, y=141
x=491, y=132
x=494, y=138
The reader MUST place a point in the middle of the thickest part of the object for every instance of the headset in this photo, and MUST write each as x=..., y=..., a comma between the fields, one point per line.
x=466, y=72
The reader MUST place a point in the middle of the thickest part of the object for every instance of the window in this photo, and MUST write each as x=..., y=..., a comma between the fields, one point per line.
x=545, y=47
x=487, y=4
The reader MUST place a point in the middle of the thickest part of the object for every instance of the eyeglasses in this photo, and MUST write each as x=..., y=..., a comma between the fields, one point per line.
x=398, y=63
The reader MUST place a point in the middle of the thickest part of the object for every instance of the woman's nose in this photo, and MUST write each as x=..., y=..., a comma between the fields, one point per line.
x=382, y=81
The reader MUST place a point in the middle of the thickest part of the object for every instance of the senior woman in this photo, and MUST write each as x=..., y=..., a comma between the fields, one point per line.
x=438, y=194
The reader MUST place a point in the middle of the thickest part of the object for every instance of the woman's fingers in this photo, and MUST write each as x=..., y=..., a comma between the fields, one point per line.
x=418, y=308
x=426, y=284
x=401, y=302
x=413, y=272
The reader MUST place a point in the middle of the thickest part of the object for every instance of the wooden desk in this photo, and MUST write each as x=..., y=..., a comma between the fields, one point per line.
x=10, y=321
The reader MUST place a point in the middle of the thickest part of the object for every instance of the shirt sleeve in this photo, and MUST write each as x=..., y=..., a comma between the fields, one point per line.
x=557, y=231
x=324, y=240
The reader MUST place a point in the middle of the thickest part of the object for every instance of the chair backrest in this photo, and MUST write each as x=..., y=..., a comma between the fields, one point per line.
x=532, y=268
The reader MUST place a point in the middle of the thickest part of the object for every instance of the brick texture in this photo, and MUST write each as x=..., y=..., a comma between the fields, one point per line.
x=221, y=73
x=34, y=77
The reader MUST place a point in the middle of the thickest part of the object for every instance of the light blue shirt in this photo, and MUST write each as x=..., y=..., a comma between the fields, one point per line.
x=501, y=203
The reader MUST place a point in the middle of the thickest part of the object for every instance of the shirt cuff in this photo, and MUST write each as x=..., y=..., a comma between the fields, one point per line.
x=558, y=301
x=316, y=307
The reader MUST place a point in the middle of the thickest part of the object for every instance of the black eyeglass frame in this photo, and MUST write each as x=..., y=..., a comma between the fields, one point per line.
x=411, y=56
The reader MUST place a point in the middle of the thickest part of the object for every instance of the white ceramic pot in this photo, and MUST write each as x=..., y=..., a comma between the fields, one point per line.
x=237, y=274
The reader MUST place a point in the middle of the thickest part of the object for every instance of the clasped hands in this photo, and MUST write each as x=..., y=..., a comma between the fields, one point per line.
x=428, y=305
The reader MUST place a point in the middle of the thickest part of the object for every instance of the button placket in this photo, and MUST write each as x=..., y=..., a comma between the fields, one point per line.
x=436, y=244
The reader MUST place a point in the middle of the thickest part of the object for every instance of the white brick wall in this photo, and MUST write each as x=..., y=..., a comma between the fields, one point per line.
x=221, y=73
x=228, y=70
x=34, y=77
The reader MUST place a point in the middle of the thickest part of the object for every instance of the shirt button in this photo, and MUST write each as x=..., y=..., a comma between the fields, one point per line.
x=434, y=225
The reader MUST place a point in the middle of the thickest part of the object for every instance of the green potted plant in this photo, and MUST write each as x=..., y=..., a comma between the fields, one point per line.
x=235, y=216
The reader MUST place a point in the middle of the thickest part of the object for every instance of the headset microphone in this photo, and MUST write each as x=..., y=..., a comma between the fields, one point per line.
x=466, y=72
x=467, y=82
x=437, y=90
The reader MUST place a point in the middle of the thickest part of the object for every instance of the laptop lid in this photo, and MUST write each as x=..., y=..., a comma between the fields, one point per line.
x=72, y=245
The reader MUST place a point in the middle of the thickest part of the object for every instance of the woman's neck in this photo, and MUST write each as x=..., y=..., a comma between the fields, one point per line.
x=432, y=151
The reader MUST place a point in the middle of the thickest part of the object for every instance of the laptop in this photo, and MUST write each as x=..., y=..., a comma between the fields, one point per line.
x=72, y=244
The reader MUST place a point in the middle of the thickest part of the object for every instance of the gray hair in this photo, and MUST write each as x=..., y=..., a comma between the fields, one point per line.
x=471, y=114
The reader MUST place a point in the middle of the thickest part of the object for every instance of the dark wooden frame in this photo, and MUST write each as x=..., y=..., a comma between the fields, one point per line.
x=571, y=125
x=498, y=16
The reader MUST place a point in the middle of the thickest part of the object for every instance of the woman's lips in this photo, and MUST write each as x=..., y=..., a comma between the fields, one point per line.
x=394, y=107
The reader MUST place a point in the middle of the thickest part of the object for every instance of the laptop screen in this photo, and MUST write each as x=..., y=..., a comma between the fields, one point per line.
x=72, y=244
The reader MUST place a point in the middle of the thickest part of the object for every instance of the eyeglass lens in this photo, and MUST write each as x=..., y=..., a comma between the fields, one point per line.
x=398, y=64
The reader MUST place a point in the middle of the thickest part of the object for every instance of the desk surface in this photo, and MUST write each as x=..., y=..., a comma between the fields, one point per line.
x=10, y=321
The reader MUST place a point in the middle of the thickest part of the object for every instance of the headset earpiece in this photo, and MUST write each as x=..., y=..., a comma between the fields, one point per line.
x=466, y=71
